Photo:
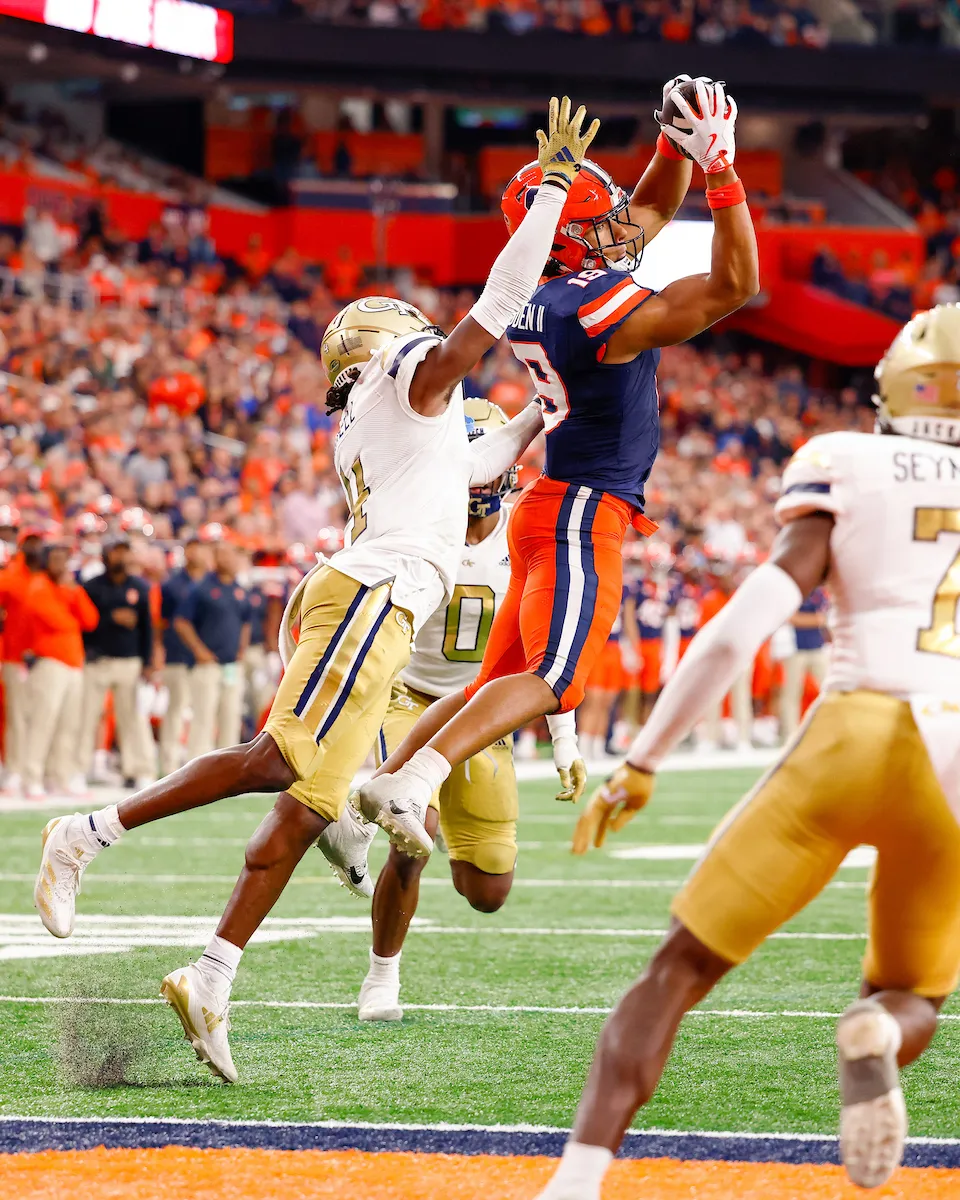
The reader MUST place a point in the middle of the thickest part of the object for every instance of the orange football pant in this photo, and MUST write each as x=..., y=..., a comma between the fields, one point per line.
x=566, y=581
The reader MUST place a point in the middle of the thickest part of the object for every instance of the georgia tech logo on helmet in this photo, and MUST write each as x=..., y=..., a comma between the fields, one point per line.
x=380, y=304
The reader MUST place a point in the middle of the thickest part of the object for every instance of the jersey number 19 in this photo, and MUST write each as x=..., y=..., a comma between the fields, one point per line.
x=549, y=386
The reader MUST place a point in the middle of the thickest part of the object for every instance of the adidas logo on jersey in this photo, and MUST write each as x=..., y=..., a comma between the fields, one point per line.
x=505, y=561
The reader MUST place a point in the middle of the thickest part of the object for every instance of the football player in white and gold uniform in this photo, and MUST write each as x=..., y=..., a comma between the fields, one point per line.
x=876, y=762
x=407, y=466
x=478, y=805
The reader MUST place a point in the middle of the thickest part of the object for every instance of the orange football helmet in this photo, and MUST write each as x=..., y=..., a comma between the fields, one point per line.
x=593, y=201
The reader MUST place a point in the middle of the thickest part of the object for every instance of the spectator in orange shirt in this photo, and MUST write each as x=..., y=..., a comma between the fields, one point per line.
x=344, y=275
x=181, y=390
x=15, y=581
x=60, y=613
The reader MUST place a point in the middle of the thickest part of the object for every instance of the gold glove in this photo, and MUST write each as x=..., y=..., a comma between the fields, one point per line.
x=612, y=806
x=565, y=147
x=573, y=780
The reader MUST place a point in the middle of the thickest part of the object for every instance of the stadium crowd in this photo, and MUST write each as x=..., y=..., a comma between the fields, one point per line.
x=165, y=442
x=740, y=22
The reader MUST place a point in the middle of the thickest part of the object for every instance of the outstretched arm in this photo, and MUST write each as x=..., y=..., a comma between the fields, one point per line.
x=721, y=651
x=665, y=182
x=517, y=269
x=688, y=306
x=497, y=452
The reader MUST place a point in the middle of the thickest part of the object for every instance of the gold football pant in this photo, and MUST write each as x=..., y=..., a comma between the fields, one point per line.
x=334, y=693
x=478, y=803
x=857, y=773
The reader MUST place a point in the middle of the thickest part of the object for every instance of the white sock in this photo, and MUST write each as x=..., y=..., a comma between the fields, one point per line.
x=219, y=962
x=385, y=970
x=429, y=767
x=581, y=1172
x=102, y=828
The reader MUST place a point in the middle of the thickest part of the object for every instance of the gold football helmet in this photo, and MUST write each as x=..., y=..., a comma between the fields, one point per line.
x=358, y=331
x=918, y=379
x=483, y=416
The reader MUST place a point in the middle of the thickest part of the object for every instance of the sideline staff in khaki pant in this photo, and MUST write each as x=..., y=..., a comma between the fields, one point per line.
x=214, y=623
x=176, y=656
x=810, y=657
x=60, y=613
x=15, y=580
x=118, y=651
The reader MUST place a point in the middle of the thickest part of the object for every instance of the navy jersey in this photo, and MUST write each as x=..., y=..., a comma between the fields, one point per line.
x=684, y=600
x=651, y=601
x=602, y=422
x=218, y=612
x=812, y=639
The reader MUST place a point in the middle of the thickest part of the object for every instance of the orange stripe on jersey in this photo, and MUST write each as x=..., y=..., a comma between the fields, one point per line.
x=612, y=307
x=593, y=306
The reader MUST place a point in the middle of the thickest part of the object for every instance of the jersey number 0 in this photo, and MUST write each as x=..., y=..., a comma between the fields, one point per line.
x=469, y=618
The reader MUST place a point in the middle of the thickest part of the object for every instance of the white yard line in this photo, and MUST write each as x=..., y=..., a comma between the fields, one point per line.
x=541, y=769
x=737, y=1014
x=443, y=881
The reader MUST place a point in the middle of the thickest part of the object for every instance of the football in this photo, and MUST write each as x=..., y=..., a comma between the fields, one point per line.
x=671, y=114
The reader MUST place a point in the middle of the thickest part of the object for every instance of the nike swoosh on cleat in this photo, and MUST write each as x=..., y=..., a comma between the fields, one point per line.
x=356, y=876
x=397, y=810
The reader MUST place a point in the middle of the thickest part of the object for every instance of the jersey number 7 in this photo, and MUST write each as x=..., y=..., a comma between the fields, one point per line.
x=549, y=386
x=940, y=636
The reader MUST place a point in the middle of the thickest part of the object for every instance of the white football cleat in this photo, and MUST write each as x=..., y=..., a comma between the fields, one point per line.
x=66, y=854
x=379, y=999
x=204, y=1015
x=345, y=845
x=873, y=1115
x=387, y=801
x=35, y=791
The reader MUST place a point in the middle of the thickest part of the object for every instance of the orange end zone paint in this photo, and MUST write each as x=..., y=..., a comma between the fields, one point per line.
x=177, y=1173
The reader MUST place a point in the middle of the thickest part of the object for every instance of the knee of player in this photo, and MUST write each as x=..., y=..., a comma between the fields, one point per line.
x=408, y=868
x=264, y=766
x=685, y=960
x=483, y=889
x=488, y=899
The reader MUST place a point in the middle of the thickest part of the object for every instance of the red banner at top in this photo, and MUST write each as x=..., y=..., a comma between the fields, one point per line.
x=175, y=26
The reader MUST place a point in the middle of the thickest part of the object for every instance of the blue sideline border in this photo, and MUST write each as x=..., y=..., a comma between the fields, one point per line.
x=29, y=1134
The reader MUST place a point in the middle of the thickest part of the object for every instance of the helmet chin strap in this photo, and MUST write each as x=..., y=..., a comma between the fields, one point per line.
x=484, y=505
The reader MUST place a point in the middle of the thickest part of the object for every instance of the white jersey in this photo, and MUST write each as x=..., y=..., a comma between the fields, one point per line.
x=894, y=576
x=449, y=648
x=407, y=480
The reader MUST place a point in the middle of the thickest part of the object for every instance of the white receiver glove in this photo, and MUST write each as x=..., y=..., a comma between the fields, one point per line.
x=711, y=143
x=670, y=85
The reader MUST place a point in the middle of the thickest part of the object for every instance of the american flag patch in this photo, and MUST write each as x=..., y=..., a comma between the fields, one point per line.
x=927, y=393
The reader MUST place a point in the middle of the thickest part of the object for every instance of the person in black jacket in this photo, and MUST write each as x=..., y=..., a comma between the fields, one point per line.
x=118, y=652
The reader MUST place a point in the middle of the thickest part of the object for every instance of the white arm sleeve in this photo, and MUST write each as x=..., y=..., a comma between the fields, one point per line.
x=562, y=725
x=514, y=276
x=720, y=652
x=496, y=452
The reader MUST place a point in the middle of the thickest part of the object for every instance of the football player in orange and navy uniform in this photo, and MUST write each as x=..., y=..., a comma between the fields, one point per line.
x=589, y=336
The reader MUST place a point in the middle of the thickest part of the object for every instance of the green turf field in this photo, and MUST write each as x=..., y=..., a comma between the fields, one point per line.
x=461, y=1063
